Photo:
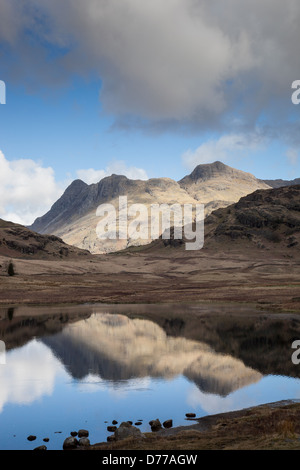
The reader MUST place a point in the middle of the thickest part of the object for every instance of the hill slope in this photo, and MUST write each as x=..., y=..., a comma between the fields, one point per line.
x=17, y=241
x=262, y=218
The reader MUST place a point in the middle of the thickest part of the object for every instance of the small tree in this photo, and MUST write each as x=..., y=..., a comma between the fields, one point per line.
x=11, y=269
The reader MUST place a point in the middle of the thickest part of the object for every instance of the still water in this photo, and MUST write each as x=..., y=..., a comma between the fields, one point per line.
x=82, y=367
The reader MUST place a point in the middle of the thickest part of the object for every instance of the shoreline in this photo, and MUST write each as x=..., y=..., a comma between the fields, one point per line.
x=270, y=426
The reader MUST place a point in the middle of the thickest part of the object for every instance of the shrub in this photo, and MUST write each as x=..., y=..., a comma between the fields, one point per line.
x=11, y=269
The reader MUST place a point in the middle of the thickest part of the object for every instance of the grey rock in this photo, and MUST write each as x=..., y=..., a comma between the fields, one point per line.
x=126, y=430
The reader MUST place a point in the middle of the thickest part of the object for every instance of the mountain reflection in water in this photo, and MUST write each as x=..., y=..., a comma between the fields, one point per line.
x=117, y=348
x=75, y=367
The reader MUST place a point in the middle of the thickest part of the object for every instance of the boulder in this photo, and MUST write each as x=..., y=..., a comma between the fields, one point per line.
x=83, y=433
x=126, y=430
x=190, y=415
x=111, y=428
x=155, y=425
x=84, y=442
x=70, y=443
x=168, y=423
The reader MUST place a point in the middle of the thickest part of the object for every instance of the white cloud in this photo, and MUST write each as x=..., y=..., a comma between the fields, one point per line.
x=28, y=375
x=187, y=62
x=27, y=190
x=227, y=147
x=91, y=175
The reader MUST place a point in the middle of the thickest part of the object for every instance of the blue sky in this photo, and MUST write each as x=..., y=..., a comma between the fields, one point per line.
x=147, y=89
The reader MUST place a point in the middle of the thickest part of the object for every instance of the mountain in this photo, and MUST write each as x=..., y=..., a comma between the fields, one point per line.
x=17, y=241
x=209, y=180
x=73, y=216
x=281, y=183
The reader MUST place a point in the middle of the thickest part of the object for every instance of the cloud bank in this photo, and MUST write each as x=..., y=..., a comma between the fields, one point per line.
x=191, y=64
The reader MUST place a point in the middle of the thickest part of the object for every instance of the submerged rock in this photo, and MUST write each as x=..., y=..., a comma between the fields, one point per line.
x=41, y=448
x=31, y=438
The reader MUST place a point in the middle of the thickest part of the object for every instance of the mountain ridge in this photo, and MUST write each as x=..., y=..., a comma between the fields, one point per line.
x=73, y=216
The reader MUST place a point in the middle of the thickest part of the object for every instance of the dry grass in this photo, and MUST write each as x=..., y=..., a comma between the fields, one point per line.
x=260, y=428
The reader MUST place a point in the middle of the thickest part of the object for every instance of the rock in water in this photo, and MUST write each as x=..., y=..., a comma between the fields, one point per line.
x=155, y=425
x=83, y=433
x=70, y=443
x=168, y=423
x=190, y=415
x=111, y=428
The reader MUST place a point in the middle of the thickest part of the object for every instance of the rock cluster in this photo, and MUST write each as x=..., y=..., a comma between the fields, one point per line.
x=72, y=442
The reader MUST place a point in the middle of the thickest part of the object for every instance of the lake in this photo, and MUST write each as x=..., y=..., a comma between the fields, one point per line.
x=80, y=367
